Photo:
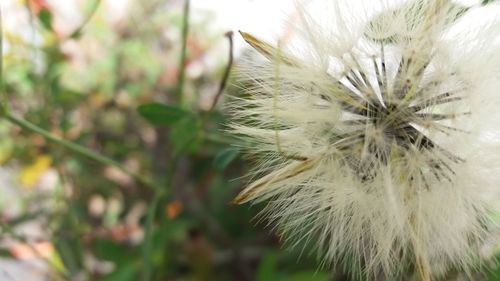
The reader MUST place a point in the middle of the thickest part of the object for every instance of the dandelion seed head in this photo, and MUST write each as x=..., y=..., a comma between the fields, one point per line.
x=377, y=135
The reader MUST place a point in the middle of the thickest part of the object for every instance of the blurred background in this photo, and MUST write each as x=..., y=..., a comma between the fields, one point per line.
x=138, y=81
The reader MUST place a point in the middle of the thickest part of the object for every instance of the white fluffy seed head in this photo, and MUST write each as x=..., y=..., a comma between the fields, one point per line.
x=377, y=133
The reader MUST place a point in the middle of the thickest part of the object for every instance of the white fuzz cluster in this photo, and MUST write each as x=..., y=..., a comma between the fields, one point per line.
x=377, y=133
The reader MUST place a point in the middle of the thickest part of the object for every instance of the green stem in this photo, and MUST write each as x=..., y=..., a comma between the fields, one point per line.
x=149, y=228
x=147, y=267
x=147, y=270
x=76, y=148
x=158, y=196
x=182, y=62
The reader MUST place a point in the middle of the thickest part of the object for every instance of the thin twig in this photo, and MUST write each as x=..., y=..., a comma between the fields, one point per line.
x=67, y=144
x=76, y=148
x=227, y=71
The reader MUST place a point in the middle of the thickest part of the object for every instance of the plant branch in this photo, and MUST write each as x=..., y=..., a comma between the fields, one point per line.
x=26, y=125
x=160, y=193
x=227, y=71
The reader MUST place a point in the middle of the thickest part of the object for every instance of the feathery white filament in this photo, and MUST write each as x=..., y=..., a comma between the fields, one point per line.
x=378, y=138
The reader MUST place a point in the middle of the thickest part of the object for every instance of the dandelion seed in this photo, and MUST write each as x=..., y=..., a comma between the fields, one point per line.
x=378, y=136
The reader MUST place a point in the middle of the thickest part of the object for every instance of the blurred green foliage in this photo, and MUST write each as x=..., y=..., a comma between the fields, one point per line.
x=113, y=86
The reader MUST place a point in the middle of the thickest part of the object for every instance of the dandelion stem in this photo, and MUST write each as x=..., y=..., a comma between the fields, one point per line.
x=422, y=267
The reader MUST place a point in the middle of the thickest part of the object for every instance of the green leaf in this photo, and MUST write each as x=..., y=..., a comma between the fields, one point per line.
x=161, y=114
x=113, y=251
x=45, y=17
x=309, y=276
x=185, y=135
x=225, y=157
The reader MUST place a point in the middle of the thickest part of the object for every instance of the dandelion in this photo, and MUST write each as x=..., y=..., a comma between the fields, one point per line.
x=377, y=135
